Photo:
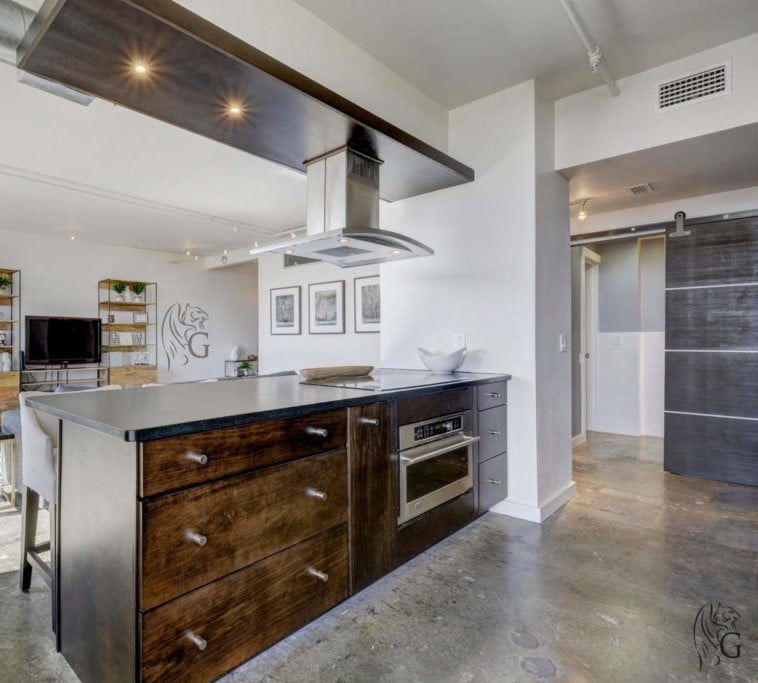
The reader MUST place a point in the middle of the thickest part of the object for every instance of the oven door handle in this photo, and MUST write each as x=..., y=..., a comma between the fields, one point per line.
x=463, y=442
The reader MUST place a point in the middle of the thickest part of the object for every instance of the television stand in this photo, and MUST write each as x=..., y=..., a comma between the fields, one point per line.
x=50, y=377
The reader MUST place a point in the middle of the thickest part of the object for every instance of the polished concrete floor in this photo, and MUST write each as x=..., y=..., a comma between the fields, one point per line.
x=607, y=590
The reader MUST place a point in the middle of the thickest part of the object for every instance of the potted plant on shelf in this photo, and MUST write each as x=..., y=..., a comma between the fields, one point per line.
x=244, y=368
x=139, y=291
x=5, y=284
x=119, y=288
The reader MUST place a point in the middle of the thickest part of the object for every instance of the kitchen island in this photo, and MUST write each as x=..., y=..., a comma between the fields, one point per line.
x=200, y=523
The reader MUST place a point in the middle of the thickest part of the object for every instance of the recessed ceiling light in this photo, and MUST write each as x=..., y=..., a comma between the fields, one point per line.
x=255, y=244
x=293, y=235
x=235, y=110
x=344, y=240
x=140, y=68
x=72, y=238
x=188, y=253
x=226, y=251
x=289, y=251
x=396, y=251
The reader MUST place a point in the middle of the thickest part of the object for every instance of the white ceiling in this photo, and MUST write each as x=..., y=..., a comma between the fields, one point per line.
x=109, y=175
x=457, y=51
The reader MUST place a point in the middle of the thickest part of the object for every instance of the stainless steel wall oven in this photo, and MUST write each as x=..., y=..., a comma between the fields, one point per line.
x=436, y=462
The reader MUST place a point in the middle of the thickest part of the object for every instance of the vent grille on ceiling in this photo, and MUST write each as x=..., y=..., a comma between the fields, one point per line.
x=709, y=83
x=636, y=190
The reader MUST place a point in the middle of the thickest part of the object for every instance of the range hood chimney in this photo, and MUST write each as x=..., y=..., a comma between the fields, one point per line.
x=343, y=215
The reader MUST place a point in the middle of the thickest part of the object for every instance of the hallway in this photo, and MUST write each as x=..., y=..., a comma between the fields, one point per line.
x=606, y=590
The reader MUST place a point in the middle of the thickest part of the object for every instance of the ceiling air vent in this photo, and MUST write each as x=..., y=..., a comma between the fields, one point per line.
x=705, y=84
x=637, y=190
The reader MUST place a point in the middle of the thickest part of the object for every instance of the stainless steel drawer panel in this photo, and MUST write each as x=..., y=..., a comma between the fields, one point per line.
x=492, y=429
x=493, y=481
x=491, y=395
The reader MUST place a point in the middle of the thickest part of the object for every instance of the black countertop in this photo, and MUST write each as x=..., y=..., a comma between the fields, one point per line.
x=146, y=413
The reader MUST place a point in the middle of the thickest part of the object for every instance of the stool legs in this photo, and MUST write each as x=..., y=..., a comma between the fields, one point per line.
x=29, y=510
x=30, y=550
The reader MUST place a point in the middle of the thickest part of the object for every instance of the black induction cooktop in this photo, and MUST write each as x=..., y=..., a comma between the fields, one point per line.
x=388, y=379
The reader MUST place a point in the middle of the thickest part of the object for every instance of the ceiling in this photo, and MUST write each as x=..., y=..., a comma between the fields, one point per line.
x=457, y=51
x=116, y=177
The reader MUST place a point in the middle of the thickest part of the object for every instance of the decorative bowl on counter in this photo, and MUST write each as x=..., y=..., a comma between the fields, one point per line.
x=442, y=362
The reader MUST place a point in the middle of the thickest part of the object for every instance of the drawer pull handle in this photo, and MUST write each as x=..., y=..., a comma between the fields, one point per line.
x=494, y=432
x=199, y=458
x=369, y=421
x=196, y=537
x=197, y=641
x=317, y=431
x=315, y=493
x=493, y=394
x=323, y=576
x=496, y=482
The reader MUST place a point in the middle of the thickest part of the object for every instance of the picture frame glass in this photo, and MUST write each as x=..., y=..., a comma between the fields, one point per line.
x=367, y=303
x=326, y=310
x=285, y=310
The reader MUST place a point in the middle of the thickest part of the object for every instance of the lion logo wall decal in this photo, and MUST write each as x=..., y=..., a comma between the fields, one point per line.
x=715, y=633
x=184, y=334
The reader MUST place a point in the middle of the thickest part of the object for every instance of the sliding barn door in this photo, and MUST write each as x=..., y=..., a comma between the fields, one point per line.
x=711, y=420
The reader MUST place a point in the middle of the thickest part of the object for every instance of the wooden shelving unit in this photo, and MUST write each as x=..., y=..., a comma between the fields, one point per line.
x=10, y=337
x=129, y=332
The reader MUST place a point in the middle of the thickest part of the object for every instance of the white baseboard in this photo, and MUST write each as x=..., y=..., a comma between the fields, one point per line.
x=532, y=513
x=578, y=440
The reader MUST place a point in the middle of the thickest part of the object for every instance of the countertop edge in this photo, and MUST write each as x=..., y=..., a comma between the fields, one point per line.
x=219, y=422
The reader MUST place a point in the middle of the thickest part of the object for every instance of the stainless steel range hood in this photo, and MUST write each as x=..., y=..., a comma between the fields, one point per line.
x=343, y=216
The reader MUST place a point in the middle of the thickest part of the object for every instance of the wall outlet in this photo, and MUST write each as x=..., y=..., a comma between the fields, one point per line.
x=562, y=343
x=459, y=341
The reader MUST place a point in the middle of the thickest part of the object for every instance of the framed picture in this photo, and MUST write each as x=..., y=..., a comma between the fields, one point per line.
x=368, y=310
x=285, y=310
x=125, y=338
x=139, y=317
x=326, y=310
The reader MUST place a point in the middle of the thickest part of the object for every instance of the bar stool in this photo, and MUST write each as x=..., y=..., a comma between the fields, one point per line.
x=39, y=443
x=39, y=446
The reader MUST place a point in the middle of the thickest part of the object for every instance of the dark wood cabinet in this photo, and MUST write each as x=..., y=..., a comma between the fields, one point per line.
x=373, y=493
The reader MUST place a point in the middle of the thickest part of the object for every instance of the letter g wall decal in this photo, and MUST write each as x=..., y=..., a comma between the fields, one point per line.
x=183, y=333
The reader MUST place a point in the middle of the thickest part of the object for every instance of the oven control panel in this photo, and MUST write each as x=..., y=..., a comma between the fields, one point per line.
x=417, y=433
x=439, y=428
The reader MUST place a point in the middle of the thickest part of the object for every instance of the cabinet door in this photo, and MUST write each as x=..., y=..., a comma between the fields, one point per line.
x=373, y=500
x=493, y=481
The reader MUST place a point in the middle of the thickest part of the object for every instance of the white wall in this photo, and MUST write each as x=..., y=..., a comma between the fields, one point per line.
x=745, y=199
x=592, y=125
x=553, y=306
x=482, y=281
x=292, y=352
x=291, y=34
x=59, y=277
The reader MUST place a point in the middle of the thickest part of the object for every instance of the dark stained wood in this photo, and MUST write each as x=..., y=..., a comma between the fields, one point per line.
x=196, y=69
x=712, y=383
x=245, y=612
x=491, y=395
x=434, y=405
x=712, y=448
x=97, y=551
x=373, y=494
x=493, y=482
x=426, y=530
x=493, y=432
x=713, y=318
x=165, y=465
x=723, y=252
x=244, y=519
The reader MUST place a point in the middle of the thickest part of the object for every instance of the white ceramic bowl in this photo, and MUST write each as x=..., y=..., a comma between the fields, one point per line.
x=442, y=362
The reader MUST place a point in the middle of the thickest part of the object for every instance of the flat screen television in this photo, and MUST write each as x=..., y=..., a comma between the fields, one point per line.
x=62, y=340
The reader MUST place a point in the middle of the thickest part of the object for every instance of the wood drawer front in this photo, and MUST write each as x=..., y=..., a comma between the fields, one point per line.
x=491, y=395
x=492, y=430
x=243, y=519
x=245, y=612
x=166, y=465
x=493, y=481
x=433, y=405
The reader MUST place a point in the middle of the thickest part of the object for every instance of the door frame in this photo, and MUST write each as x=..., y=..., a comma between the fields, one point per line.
x=589, y=308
